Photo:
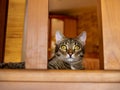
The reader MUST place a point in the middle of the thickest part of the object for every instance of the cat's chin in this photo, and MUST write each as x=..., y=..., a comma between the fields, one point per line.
x=70, y=59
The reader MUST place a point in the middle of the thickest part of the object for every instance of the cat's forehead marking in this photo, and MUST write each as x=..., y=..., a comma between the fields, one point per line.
x=73, y=41
x=70, y=40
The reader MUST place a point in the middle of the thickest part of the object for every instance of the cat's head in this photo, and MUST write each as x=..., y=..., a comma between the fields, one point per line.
x=70, y=49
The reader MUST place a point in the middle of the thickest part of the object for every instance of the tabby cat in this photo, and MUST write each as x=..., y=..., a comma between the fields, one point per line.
x=68, y=54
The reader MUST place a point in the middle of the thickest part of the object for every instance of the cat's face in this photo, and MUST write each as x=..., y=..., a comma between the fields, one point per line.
x=70, y=49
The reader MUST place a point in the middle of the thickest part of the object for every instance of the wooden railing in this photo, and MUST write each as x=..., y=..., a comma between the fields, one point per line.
x=77, y=76
x=36, y=43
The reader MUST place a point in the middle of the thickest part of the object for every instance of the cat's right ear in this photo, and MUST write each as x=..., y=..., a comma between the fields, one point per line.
x=82, y=37
x=59, y=37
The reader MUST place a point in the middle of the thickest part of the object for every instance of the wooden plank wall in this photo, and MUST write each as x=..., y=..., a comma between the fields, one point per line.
x=15, y=25
x=70, y=27
x=111, y=33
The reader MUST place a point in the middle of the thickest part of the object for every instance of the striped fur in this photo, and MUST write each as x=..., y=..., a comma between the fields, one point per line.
x=68, y=53
x=20, y=65
x=66, y=57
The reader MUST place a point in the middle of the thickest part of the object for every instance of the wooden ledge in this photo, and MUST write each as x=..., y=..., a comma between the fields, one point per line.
x=101, y=76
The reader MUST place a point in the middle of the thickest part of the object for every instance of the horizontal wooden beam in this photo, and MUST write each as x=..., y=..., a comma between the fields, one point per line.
x=57, y=86
x=77, y=76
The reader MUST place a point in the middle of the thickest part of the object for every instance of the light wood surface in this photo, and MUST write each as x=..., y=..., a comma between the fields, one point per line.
x=111, y=33
x=58, y=86
x=60, y=76
x=15, y=25
x=36, y=34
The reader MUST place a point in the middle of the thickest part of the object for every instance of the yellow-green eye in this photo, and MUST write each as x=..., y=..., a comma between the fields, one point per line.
x=63, y=47
x=77, y=47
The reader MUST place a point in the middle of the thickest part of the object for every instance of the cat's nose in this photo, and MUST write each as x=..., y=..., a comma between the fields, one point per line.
x=70, y=52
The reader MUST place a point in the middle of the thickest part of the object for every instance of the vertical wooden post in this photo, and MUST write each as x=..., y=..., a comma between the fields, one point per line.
x=101, y=58
x=36, y=34
x=3, y=23
x=111, y=33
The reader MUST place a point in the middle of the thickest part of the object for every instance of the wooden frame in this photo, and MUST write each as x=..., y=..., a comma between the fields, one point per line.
x=76, y=76
x=58, y=86
x=69, y=24
x=60, y=80
x=3, y=24
x=66, y=80
x=111, y=33
x=36, y=34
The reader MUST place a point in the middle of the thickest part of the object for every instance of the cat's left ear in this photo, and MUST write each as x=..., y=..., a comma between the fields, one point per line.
x=82, y=37
x=59, y=37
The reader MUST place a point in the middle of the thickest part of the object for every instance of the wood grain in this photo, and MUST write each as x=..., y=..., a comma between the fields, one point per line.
x=111, y=33
x=70, y=27
x=36, y=34
x=87, y=21
x=58, y=86
x=3, y=22
x=15, y=25
x=60, y=76
x=101, y=55
x=91, y=63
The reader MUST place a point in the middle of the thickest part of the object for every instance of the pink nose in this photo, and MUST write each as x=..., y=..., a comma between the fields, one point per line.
x=70, y=52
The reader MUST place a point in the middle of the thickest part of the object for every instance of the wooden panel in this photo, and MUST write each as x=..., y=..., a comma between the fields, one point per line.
x=14, y=32
x=87, y=21
x=58, y=86
x=36, y=34
x=99, y=18
x=91, y=63
x=70, y=27
x=3, y=20
x=111, y=33
x=60, y=76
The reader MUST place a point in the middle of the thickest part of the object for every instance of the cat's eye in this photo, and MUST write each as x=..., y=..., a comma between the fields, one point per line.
x=77, y=47
x=63, y=47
